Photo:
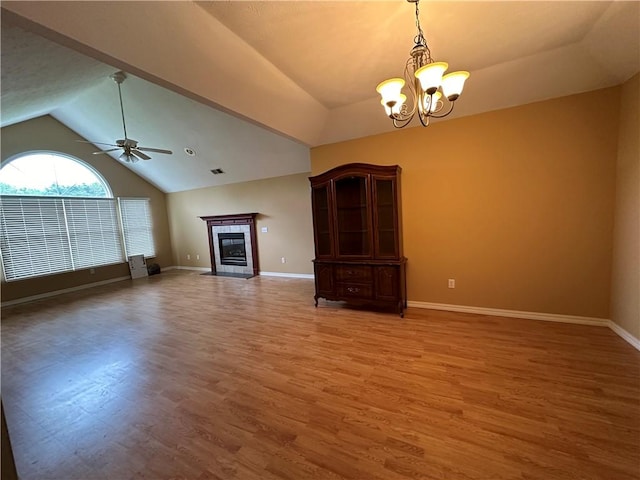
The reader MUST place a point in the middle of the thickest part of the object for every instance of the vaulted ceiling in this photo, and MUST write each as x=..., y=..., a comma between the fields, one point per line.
x=251, y=85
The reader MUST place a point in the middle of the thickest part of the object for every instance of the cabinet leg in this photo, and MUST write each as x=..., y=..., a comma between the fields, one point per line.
x=401, y=308
x=316, y=300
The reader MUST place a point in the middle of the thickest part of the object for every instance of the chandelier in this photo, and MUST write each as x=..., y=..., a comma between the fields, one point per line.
x=433, y=94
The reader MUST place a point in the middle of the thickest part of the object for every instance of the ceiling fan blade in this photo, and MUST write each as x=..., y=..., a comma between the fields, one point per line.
x=155, y=150
x=97, y=143
x=106, y=151
x=138, y=153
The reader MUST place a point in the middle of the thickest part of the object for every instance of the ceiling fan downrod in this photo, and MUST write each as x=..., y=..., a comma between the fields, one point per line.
x=119, y=77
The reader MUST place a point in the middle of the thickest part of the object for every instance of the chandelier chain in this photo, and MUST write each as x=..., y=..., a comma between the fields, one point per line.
x=419, y=39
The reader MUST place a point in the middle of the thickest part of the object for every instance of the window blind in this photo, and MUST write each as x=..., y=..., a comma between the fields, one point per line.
x=45, y=235
x=94, y=235
x=33, y=237
x=137, y=226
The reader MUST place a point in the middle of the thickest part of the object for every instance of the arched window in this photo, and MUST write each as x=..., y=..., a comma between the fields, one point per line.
x=57, y=214
x=51, y=174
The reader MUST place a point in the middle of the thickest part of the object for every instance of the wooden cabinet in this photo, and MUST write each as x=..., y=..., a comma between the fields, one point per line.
x=358, y=235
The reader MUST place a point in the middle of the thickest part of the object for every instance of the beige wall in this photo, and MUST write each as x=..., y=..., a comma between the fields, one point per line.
x=284, y=205
x=46, y=133
x=625, y=284
x=516, y=205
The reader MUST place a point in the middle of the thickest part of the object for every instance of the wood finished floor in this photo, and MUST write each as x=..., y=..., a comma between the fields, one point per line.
x=197, y=377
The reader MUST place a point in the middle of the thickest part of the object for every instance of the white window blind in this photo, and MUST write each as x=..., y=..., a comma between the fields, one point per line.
x=93, y=232
x=45, y=235
x=137, y=227
x=33, y=237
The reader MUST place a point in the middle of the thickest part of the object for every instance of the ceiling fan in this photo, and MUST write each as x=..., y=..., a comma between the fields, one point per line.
x=131, y=152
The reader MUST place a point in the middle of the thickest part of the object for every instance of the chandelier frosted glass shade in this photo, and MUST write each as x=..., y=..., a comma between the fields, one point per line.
x=390, y=90
x=431, y=92
x=430, y=76
x=453, y=83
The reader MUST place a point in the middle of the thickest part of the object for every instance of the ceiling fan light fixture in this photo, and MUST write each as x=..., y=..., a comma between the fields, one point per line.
x=427, y=84
x=131, y=152
x=128, y=157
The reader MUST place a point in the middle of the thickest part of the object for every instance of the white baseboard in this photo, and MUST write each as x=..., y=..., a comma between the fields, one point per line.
x=64, y=290
x=631, y=340
x=288, y=275
x=548, y=317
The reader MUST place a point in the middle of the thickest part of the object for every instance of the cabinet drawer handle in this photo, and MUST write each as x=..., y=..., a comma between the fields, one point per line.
x=351, y=272
x=353, y=289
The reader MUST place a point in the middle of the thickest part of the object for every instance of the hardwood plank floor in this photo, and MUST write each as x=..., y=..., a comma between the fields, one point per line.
x=198, y=377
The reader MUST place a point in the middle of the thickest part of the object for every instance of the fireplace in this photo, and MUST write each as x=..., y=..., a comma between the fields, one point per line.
x=232, y=249
x=233, y=244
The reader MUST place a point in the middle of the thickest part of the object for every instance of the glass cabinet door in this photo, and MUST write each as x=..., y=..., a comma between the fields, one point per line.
x=354, y=237
x=386, y=237
x=322, y=221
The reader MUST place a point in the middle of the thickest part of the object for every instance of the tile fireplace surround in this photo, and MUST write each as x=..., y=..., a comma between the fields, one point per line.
x=239, y=223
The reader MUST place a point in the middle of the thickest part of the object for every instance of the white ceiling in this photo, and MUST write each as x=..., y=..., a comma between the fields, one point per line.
x=250, y=85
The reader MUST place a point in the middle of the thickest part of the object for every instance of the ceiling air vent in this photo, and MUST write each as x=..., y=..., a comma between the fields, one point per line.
x=217, y=171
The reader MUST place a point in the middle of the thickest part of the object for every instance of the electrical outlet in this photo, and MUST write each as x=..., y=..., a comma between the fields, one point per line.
x=283, y=260
x=264, y=229
x=188, y=256
x=197, y=257
x=452, y=283
x=92, y=271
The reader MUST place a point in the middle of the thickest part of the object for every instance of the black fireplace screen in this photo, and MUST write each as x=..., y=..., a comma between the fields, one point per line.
x=232, y=249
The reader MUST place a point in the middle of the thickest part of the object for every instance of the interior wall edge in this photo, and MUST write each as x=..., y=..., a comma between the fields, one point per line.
x=628, y=337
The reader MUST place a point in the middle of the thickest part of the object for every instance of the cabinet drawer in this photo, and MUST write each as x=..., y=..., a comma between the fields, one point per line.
x=354, y=290
x=354, y=273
